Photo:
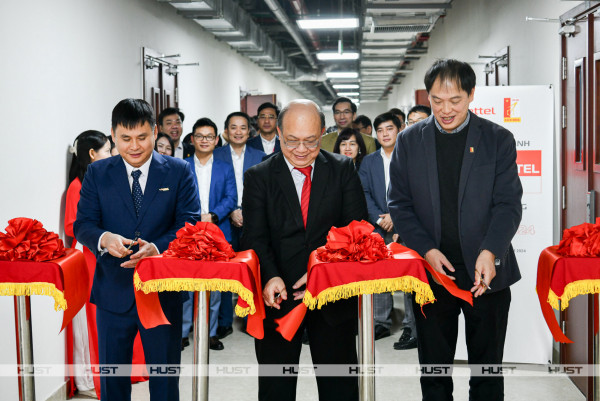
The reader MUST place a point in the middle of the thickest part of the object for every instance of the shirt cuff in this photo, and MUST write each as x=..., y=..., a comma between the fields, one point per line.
x=100, y=249
x=155, y=247
x=379, y=220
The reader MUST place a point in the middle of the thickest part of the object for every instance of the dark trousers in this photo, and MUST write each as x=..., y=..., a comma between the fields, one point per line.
x=328, y=345
x=162, y=345
x=485, y=331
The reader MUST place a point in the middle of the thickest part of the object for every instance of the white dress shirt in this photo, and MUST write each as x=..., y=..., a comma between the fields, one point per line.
x=238, y=168
x=299, y=178
x=178, y=151
x=203, y=174
x=386, y=172
x=268, y=146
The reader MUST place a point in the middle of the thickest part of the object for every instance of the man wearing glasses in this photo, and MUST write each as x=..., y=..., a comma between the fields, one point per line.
x=290, y=203
x=170, y=122
x=266, y=140
x=344, y=112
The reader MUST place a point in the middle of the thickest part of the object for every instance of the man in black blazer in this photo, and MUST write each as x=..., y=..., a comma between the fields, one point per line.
x=455, y=198
x=266, y=140
x=283, y=235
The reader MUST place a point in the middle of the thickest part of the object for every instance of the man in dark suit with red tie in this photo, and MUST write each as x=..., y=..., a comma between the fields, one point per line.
x=290, y=203
x=130, y=208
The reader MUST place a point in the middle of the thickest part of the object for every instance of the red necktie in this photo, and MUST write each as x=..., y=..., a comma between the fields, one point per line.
x=305, y=197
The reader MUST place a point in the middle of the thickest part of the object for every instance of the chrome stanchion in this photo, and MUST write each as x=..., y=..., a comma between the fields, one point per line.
x=201, y=338
x=366, y=348
x=24, y=348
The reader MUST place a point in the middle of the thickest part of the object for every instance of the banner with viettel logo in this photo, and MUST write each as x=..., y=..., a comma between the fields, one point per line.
x=527, y=112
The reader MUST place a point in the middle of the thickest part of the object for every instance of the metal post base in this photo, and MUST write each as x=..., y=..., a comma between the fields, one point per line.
x=201, y=339
x=24, y=348
x=366, y=348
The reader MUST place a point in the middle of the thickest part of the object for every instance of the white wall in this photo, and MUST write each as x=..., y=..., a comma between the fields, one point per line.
x=65, y=65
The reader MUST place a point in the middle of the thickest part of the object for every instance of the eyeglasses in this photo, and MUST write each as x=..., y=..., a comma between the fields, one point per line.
x=267, y=117
x=296, y=144
x=201, y=138
x=344, y=112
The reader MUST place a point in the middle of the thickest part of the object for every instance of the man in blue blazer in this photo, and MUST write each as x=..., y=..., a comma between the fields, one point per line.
x=455, y=198
x=130, y=208
x=266, y=140
x=241, y=157
x=215, y=180
x=375, y=178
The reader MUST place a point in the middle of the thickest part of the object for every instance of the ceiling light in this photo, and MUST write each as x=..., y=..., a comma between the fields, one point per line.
x=346, y=94
x=346, y=74
x=346, y=86
x=328, y=23
x=324, y=56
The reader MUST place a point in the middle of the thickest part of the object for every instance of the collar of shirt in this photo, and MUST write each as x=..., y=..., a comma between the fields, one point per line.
x=144, y=168
x=234, y=154
x=200, y=165
x=312, y=172
x=272, y=141
x=385, y=158
x=455, y=130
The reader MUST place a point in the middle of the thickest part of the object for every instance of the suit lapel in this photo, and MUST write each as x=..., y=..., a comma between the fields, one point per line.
x=156, y=174
x=248, y=156
x=473, y=137
x=317, y=189
x=428, y=137
x=286, y=182
x=118, y=175
x=214, y=180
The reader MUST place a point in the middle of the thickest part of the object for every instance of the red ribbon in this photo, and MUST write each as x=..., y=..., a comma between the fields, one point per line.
x=203, y=241
x=581, y=240
x=26, y=238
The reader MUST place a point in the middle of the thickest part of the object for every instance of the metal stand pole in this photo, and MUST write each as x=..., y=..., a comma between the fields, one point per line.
x=24, y=348
x=596, y=350
x=200, y=359
x=366, y=347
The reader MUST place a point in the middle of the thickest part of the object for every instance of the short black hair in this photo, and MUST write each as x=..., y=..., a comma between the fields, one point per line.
x=343, y=100
x=451, y=70
x=237, y=114
x=363, y=120
x=286, y=108
x=397, y=112
x=129, y=113
x=204, y=122
x=163, y=135
x=346, y=134
x=170, y=111
x=420, y=109
x=267, y=105
x=380, y=119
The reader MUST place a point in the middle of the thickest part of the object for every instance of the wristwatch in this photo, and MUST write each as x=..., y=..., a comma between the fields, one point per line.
x=214, y=217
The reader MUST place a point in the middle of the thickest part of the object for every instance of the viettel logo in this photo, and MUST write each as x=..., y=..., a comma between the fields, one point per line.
x=512, y=110
x=529, y=163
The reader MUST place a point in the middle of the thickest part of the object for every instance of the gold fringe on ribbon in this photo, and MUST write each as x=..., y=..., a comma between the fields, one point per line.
x=198, y=284
x=571, y=290
x=37, y=288
x=423, y=293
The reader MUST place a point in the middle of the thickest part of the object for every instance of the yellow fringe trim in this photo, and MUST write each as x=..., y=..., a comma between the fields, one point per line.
x=573, y=289
x=423, y=293
x=37, y=288
x=198, y=284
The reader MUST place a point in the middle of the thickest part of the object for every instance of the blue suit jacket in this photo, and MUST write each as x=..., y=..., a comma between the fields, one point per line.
x=223, y=192
x=372, y=177
x=489, y=194
x=256, y=143
x=170, y=200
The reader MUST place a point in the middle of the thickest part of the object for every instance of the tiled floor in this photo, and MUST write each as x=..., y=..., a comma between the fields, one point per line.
x=239, y=349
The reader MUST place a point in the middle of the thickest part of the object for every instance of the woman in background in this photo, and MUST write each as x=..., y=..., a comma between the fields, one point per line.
x=350, y=143
x=164, y=144
x=82, y=336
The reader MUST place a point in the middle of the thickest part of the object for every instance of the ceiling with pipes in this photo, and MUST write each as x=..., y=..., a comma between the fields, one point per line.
x=324, y=48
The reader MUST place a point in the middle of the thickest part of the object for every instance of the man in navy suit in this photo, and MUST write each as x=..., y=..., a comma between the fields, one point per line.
x=140, y=199
x=218, y=198
x=267, y=140
x=455, y=198
x=375, y=178
x=241, y=158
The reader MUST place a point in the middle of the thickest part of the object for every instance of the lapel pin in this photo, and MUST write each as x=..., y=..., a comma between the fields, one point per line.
x=472, y=149
x=163, y=189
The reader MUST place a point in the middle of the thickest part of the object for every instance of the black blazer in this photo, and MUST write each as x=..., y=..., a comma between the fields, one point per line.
x=273, y=225
x=256, y=143
x=489, y=194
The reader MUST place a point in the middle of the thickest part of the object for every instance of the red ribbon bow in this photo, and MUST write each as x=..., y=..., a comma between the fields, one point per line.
x=204, y=241
x=581, y=240
x=355, y=242
x=27, y=239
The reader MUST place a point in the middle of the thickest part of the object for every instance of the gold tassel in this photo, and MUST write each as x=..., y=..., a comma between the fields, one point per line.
x=197, y=284
x=37, y=288
x=571, y=290
x=423, y=293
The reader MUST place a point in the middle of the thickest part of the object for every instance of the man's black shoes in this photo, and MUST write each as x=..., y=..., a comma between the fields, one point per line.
x=381, y=332
x=223, y=332
x=215, y=344
x=406, y=341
